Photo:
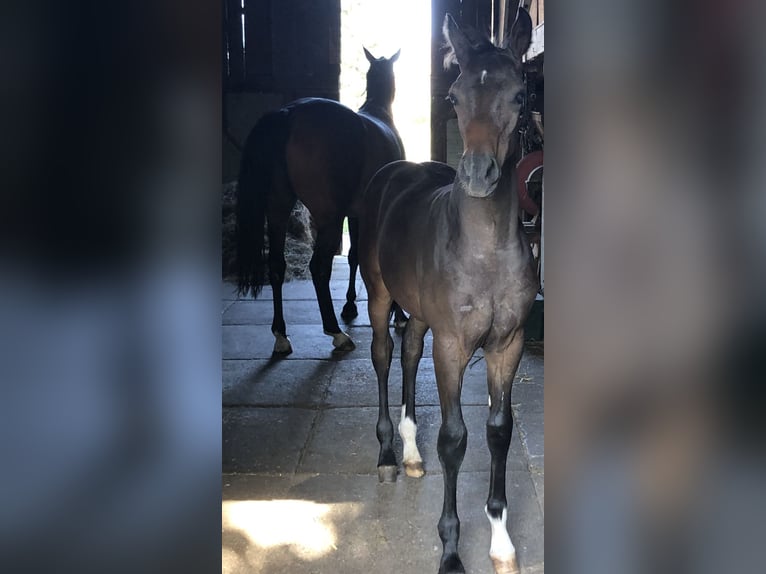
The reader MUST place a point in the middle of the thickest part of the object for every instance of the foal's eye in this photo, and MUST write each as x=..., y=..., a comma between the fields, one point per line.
x=451, y=99
x=519, y=99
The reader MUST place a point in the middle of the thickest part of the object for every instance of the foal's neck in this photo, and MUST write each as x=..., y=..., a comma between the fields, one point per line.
x=489, y=222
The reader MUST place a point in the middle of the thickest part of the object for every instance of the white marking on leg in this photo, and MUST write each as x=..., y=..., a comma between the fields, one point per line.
x=483, y=76
x=489, y=399
x=501, y=548
x=408, y=430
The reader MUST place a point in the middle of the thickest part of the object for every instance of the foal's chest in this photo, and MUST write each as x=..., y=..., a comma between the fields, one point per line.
x=490, y=297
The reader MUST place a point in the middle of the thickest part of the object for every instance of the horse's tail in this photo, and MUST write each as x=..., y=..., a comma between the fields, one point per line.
x=263, y=151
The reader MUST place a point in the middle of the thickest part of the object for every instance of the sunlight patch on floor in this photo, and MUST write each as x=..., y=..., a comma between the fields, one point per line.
x=304, y=527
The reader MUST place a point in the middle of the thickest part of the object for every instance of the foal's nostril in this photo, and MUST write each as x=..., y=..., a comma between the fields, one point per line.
x=493, y=171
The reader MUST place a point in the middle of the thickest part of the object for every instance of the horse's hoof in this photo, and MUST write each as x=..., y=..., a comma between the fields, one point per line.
x=414, y=469
x=282, y=346
x=349, y=311
x=341, y=341
x=387, y=473
x=451, y=565
x=507, y=565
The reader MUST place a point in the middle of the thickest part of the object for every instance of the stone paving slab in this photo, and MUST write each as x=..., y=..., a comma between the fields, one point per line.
x=538, y=478
x=351, y=524
x=350, y=382
x=344, y=441
x=264, y=440
x=308, y=341
x=303, y=312
x=531, y=426
x=355, y=383
x=263, y=382
x=303, y=289
x=243, y=339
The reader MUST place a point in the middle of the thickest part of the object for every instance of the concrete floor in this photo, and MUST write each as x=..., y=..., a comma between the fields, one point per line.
x=300, y=487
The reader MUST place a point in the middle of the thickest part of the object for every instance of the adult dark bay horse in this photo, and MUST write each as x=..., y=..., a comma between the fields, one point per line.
x=324, y=154
x=450, y=249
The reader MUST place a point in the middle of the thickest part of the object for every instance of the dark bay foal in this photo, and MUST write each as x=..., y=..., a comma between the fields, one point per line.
x=449, y=248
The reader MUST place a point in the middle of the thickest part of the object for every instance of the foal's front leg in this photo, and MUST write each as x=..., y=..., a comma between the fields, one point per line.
x=450, y=361
x=501, y=368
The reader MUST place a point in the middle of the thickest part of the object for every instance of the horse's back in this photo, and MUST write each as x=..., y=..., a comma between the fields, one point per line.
x=397, y=181
x=382, y=146
x=325, y=155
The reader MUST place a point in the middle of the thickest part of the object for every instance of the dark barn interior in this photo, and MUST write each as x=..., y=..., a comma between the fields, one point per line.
x=300, y=489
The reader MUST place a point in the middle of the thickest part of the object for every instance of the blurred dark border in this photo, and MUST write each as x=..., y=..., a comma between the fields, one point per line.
x=109, y=266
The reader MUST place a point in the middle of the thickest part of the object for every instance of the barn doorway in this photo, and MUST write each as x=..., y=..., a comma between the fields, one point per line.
x=383, y=27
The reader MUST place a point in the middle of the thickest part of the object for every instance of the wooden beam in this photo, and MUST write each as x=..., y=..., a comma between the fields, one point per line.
x=233, y=34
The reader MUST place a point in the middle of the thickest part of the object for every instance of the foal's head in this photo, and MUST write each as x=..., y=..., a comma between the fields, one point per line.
x=380, y=79
x=488, y=96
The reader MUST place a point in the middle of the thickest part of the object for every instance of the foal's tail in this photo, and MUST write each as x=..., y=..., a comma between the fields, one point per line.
x=264, y=150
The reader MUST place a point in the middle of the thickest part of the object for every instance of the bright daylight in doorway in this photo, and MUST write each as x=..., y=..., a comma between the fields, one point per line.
x=383, y=27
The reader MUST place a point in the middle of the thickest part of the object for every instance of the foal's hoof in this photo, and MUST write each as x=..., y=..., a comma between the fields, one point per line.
x=387, y=473
x=341, y=341
x=282, y=346
x=451, y=565
x=400, y=323
x=414, y=469
x=349, y=311
x=506, y=566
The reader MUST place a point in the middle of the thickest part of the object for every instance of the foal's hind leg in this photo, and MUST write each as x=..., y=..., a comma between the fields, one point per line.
x=501, y=368
x=379, y=307
x=412, y=351
x=278, y=214
x=400, y=319
x=349, y=309
x=328, y=238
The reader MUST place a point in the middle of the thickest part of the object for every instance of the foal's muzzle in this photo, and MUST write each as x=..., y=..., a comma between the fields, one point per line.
x=478, y=173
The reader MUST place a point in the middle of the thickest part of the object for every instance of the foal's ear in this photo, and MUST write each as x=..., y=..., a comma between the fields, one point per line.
x=395, y=57
x=520, y=36
x=458, y=42
x=370, y=57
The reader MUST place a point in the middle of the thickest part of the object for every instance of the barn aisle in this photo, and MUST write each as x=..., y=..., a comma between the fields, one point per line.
x=300, y=487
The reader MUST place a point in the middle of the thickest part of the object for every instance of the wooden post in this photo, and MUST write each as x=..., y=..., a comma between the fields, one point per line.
x=233, y=34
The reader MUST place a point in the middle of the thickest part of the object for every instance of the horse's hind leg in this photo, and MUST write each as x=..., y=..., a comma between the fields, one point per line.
x=412, y=351
x=328, y=238
x=278, y=214
x=349, y=309
x=501, y=368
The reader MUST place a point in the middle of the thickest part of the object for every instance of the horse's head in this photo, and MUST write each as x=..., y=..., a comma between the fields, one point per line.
x=380, y=79
x=488, y=96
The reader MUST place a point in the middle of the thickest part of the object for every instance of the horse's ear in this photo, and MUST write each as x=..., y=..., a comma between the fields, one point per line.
x=395, y=57
x=370, y=57
x=457, y=41
x=520, y=36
